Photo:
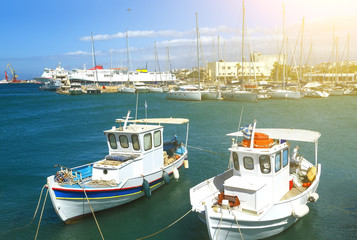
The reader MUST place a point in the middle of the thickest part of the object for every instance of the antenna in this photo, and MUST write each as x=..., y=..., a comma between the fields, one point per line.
x=126, y=120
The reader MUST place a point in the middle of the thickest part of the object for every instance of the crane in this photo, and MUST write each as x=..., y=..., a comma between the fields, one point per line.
x=14, y=76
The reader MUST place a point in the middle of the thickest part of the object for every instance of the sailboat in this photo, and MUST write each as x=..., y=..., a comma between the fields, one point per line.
x=94, y=89
x=127, y=88
x=241, y=94
x=284, y=93
x=188, y=93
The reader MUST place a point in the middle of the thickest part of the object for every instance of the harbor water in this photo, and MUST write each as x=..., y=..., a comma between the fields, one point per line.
x=40, y=129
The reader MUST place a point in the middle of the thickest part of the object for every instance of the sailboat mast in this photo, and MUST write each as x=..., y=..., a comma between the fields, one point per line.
x=283, y=47
x=242, y=85
x=302, y=39
x=348, y=50
x=127, y=54
x=198, y=56
x=94, y=61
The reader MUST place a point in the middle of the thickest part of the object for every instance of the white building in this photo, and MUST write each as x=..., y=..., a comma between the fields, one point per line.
x=260, y=66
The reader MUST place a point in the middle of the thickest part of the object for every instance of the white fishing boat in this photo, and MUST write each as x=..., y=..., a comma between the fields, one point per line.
x=186, y=93
x=266, y=188
x=139, y=162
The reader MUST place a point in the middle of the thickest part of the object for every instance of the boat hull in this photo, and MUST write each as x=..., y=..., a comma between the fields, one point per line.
x=240, y=96
x=285, y=95
x=222, y=223
x=72, y=202
x=184, y=95
x=211, y=95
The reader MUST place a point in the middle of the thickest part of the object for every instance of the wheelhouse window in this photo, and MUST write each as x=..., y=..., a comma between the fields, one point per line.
x=135, y=141
x=147, y=141
x=277, y=162
x=264, y=162
x=235, y=160
x=157, y=138
x=285, y=157
x=124, y=143
x=112, y=141
x=248, y=163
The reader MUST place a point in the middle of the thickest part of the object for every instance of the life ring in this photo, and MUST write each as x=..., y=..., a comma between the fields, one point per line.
x=177, y=156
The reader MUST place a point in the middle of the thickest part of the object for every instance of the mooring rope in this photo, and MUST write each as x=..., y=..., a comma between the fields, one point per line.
x=92, y=211
x=38, y=204
x=165, y=227
x=235, y=218
x=219, y=224
x=207, y=150
x=39, y=221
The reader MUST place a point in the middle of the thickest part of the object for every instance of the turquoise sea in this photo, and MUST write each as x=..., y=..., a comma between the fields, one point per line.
x=40, y=129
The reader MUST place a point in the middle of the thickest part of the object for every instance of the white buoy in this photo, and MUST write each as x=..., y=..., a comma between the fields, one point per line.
x=185, y=163
x=176, y=173
x=300, y=210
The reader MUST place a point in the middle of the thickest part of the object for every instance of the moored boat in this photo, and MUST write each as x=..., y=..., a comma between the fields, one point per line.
x=139, y=162
x=186, y=93
x=264, y=191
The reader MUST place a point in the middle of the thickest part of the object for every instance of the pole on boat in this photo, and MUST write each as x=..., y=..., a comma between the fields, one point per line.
x=252, y=137
x=188, y=125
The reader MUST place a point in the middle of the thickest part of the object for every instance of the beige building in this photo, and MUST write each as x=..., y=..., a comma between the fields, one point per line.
x=260, y=66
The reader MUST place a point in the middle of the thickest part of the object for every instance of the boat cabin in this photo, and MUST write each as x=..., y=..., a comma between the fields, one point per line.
x=260, y=175
x=133, y=150
x=261, y=171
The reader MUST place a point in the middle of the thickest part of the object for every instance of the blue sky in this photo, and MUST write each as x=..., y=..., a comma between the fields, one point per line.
x=40, y=33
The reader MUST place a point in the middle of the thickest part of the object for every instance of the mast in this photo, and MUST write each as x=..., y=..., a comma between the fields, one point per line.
x=218, y=72
x=348, y=49
x=242, y=85
x=198, y=56
x=94, y=61
x=127, y=54
x=302, y=39
x=283, y=47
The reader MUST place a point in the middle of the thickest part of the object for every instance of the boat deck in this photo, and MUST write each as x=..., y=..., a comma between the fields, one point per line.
x=293, y=193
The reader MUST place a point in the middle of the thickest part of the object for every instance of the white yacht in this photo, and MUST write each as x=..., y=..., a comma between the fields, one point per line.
x=186, y=93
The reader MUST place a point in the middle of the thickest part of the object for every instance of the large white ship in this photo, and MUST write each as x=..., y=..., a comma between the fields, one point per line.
x=118, y=76
x=107, y=76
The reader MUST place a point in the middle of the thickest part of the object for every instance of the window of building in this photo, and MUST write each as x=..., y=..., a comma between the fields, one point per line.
x=277, y=162
x=112, y=141
x=285, y=157
x=248, y=163
x=229, y=68
x=235, y=160
x=124, y=143
x=264, y=162
x=157, y=138
x=135, y=141
x=147, y=141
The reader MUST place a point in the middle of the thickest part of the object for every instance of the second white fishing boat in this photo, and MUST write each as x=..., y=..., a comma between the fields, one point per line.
x=264, y=191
